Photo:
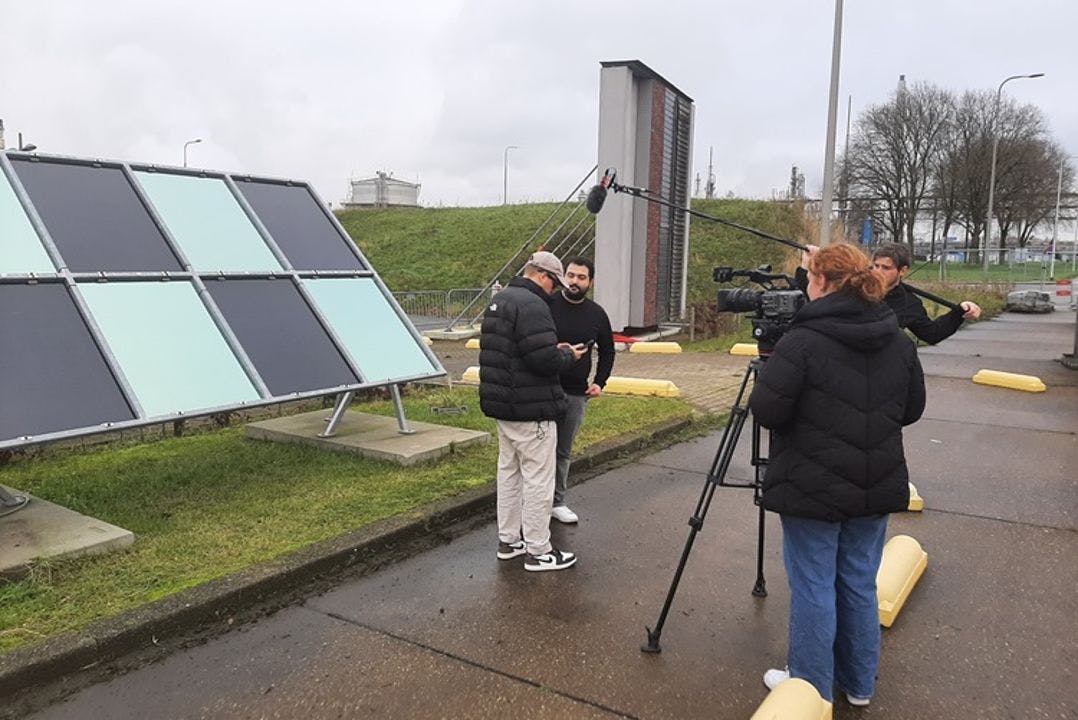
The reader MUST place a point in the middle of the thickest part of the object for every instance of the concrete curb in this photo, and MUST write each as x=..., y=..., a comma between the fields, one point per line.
x=158, y=628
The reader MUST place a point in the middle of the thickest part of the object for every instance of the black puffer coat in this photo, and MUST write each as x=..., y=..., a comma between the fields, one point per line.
x=837, y=390
x=519, y=360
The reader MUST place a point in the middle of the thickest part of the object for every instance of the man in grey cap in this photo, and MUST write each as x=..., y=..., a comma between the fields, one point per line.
x=519, y=362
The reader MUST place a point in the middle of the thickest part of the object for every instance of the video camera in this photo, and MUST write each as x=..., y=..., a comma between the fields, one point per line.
x=772, y=308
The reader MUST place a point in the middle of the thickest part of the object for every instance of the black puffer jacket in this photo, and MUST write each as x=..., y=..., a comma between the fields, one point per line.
x=836, y=391
x=519, y=360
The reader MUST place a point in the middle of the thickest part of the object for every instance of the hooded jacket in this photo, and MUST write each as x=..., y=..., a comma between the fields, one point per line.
x=519, y=360
x=836, y=391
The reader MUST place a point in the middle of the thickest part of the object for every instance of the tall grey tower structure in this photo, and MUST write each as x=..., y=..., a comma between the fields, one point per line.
x=641, y=248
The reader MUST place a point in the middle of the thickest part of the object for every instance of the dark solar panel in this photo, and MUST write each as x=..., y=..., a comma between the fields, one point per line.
x=281, y=335
x=94, y=217
x=299, y=226
x=52, y=375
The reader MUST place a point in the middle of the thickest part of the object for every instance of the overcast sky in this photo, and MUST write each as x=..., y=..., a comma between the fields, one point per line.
x=434, y=91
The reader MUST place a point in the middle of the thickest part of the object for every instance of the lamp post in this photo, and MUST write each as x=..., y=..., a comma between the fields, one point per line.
x=992, y=176
x=189, y=142
x=505, y=173
x=832, y=119
x=1055, y=227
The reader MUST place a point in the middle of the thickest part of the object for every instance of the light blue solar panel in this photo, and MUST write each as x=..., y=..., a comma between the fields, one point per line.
x=370, y=329
x=21, y=250
x=167, y=346
x=202, y=215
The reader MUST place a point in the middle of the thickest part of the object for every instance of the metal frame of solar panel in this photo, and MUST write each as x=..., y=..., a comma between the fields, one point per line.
x=133, y=320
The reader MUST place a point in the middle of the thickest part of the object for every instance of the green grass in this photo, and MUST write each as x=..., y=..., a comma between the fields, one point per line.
x=712, y=245
x=210, y=504
x=990, y=297
x=442, y=248
x=962, y=273
x=445, y=248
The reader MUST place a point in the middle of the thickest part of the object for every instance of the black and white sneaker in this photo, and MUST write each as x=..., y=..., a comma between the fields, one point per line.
x=508, y=551
x=553, y=560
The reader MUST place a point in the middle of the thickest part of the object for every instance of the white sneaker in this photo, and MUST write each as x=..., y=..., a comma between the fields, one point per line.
x=773, y=677
x=857, y=701
x=563, y=514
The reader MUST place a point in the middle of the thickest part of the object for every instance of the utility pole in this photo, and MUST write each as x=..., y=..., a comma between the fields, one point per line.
x=832, y=113
x=709, y=189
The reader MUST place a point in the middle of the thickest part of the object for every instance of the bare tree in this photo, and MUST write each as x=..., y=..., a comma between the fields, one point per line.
x=1026, y=167
x=894, y=152
x=1031, y=189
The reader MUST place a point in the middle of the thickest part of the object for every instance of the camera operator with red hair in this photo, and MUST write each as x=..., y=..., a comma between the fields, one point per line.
x=836, y=392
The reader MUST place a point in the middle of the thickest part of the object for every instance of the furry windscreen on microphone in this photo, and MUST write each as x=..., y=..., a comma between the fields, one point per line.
x=596, y=198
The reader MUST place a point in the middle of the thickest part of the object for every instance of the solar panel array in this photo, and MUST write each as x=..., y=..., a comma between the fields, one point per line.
x=132, y=294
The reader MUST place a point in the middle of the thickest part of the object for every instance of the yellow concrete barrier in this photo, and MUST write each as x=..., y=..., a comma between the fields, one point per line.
x=614, y=385
x=1028, y=383
x=640, y=386
x=917, y=503
x=472, y=344
x=654, y=347
x=793, y=699
x=749, y=349
x=903, y=563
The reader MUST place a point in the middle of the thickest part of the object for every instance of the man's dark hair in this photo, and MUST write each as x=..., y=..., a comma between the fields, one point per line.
x=898, y=252
x=581, y=260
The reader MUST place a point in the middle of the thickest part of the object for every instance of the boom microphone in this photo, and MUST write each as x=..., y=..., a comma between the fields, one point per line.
x=596, y=198
x=597, y=195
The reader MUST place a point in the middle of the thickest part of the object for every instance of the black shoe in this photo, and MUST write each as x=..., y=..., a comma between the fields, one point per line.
x=508, y=551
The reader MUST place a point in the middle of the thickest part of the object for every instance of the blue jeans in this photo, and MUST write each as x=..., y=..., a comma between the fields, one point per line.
x=568, y=427
x=834, y=613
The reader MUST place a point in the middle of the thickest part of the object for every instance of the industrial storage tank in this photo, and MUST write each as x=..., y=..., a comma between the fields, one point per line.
x=382, y=190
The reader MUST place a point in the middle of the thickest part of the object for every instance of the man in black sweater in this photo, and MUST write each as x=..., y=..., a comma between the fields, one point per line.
x=892, y=262
x=519, y=361
x=579, y=321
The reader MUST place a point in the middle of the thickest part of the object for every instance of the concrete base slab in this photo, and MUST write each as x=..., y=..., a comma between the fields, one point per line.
x=373, y=436
x=44, y=530
x=457, y=333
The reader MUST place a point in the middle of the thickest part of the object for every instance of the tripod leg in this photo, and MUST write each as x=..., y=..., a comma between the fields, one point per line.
x=730, y=435
x=759, y=461
x=759, y=589
x=695, y=522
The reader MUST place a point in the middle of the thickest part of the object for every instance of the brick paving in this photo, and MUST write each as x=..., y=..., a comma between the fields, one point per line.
x=708, y=380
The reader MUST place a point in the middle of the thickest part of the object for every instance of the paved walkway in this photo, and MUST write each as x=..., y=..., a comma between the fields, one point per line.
x=707, y=380
x=454, y=633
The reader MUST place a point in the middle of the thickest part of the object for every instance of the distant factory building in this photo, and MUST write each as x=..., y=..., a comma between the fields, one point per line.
x=382, y=190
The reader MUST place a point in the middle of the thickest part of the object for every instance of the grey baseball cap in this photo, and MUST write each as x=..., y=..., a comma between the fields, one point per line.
x=549, y=262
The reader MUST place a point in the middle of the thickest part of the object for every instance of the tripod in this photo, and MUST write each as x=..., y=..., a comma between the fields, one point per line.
x=716, y=476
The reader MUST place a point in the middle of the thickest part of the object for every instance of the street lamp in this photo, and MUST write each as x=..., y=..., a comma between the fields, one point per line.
x=189, y=142
x=505, y=173
x=992, y=176
x=1055, y=227
x=829, y=144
